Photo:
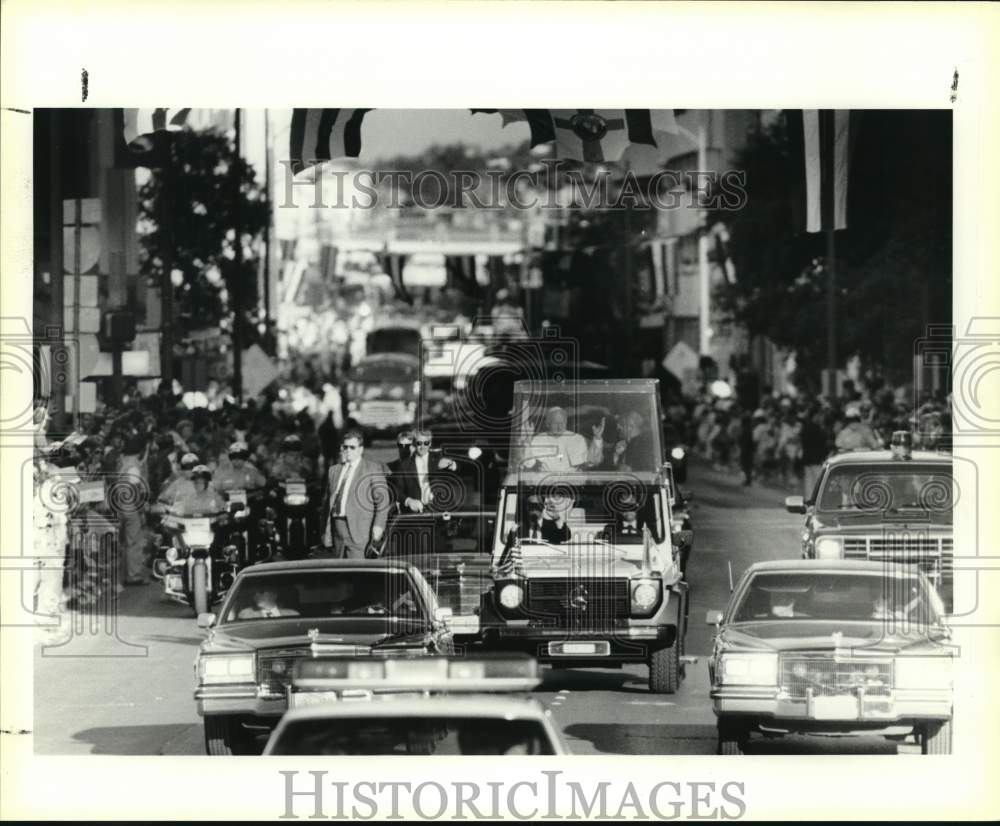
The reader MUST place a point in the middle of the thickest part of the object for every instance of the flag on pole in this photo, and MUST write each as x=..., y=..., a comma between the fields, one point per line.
x=827, y=134
x=139, y=122
x=392, y=265
x=319, y=135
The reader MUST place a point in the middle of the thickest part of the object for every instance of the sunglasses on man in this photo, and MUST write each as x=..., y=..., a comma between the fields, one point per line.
x=423, y=443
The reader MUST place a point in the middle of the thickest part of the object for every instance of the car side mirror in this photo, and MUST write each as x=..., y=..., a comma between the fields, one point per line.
x=713, y=618
x=795, y=504
x=206, y=620
x=443, y=615
x=686, y=495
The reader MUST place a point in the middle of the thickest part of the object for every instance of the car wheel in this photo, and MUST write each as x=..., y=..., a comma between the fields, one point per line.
x=225, y=736
x=664, y=670
x=936, y=738
x=732, y=739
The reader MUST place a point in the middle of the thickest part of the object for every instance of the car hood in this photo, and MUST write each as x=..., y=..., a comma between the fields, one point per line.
x=863, y=520
x=796, y=635
x=347, y=631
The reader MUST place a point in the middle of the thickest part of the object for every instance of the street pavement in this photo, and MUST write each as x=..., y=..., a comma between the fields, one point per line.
x=90, y=699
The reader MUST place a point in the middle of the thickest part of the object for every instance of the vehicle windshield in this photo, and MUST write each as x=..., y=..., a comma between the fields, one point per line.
x=559, y=513
x=887, y=488
x=413, y=735
x=439, y=534
x=385, y=370
x=318, y=594
x=394, y=340
x=836, y=597
x=582, y=427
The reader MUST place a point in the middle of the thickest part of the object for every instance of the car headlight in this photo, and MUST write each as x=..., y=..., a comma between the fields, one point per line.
x=226, y=668
x=924, y=672
x=829, y=547
x=396, y=392
x=646, y=595
x=511, y=596
x=677, y=453
x=749, y=669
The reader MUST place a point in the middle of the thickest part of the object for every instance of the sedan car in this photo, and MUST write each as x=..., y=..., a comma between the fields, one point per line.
x=277, y=614
x=832, y=647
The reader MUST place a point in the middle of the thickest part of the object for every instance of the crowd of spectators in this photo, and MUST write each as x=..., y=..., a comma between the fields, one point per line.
x=785, y=439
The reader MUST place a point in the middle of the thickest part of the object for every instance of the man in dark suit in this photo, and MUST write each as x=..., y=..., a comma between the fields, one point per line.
x=545, y=525
x=357, y=502
x=418, y=482
x=627, y=527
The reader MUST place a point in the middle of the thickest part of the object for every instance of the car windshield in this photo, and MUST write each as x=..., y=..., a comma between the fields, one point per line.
x=385, y=370
x=560, y=513
x=315, y=594
x=581, y=428
x=394, y=340
x=439, y=534
x=413, y=735
x=887, y=488
x=835, y=597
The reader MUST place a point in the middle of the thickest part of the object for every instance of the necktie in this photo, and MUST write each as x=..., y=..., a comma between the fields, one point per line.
x=338, y=499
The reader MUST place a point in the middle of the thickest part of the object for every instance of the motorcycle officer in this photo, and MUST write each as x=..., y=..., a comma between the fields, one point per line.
x=202, y=499
x=241, y=474
x=291, y=462
x=179, y=482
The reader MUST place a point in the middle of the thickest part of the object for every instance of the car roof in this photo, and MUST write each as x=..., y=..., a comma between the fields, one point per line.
x=834, y=566
x=863, y=456
x=325, y=565
x=487, y=706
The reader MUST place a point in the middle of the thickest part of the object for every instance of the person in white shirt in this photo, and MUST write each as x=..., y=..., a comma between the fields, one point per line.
x=557, y=448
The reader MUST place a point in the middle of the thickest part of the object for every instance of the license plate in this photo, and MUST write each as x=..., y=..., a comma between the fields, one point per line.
x=835, y=708
x=175, y=582
x=301, y=699
x=573, y=649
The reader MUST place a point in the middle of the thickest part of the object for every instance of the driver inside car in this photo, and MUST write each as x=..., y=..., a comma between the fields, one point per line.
x=265, y=604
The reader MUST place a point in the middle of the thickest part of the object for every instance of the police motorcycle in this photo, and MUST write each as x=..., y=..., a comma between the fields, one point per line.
x=197, y=568
x=246, y=531
x=293, y=503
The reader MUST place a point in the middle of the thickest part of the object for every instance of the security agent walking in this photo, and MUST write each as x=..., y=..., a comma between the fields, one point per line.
x=357, y=503
x=417, y=480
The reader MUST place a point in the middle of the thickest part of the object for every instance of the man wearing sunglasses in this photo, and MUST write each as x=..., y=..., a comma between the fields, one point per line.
x=357, y=501
x=418, y=483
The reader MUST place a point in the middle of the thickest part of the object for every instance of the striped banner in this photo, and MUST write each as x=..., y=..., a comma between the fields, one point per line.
x=826, y=133
x=319, y=135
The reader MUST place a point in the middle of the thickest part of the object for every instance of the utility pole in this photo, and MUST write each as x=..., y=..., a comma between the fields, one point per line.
x=237, y=295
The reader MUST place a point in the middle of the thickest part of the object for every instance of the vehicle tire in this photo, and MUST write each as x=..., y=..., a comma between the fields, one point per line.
x=199, y=587
x=731, y=739
x=664, y=670
x=936, y=738
x=297, y=540
x=225, y=737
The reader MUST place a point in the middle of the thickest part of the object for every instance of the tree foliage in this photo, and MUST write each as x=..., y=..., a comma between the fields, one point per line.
x=893, y=262
x=189, y=206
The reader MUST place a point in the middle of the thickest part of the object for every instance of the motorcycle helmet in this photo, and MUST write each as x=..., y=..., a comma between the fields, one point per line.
x=239, y=450
x=201, y=472
x=291, y=442
x=189, y=461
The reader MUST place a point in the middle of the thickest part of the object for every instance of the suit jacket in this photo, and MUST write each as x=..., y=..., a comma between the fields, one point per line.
x=366, y=501
x=616, y=532
x=406, y=481
x=551, y=533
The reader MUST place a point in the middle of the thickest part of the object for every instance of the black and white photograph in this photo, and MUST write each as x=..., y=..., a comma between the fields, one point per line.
x=449, y=431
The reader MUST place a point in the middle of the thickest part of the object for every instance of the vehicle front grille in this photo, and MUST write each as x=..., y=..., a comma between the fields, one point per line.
x=586, y=603
x=274, y=669
x=932, y=554
x=827, y=676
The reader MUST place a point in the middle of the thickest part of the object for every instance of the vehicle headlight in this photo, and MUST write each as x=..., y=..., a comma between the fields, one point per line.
x=511, y=596
x=677, y=453
x=396, y=392
x=924, y=672
x=829, y=547
x=226, y=668
x=646, y=594
x=475, y=453
x=172, y=555
x=295, y=499
x=749, y=669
